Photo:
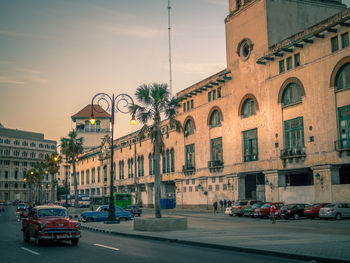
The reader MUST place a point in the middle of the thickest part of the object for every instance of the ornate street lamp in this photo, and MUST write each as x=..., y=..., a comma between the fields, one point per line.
x=121, y=103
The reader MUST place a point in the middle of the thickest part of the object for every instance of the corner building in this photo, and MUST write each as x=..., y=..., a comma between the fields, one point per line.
x=273, y=125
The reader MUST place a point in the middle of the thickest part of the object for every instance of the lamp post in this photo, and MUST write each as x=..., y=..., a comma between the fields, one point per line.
x=66, y=168
x=120, y=103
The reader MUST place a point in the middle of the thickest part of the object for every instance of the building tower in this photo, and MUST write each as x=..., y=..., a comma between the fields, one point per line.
x=92, y=134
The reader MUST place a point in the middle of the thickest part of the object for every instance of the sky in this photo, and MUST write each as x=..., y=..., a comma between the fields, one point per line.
x=56, y=55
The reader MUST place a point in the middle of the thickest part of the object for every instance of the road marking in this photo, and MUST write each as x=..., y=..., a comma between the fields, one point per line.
x=31, y=251
x=113, y=248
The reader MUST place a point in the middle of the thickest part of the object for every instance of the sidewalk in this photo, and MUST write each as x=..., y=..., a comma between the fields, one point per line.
x=291, y=239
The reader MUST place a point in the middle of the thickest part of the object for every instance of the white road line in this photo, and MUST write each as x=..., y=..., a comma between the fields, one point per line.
x=113, y=248
x=31, y=251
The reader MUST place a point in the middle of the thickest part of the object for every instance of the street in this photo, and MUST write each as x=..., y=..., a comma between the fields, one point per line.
x=97, y=247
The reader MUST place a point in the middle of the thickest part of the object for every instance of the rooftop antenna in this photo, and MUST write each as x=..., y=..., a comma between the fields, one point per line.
x=170, y=72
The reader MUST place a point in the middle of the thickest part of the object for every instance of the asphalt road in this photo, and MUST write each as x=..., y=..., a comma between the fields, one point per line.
x=99, y=247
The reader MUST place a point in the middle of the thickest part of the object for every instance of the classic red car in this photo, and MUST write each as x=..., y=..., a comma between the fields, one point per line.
x=50, y=223
x=313, y=210
x=264, y=211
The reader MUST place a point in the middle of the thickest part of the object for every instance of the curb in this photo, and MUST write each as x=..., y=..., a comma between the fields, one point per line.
x=223, y=247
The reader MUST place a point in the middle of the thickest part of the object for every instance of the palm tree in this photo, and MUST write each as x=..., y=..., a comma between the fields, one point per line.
x=155, y=101
x=71, y=147
x=30, y=179
x=40, y=170
x=53, y=167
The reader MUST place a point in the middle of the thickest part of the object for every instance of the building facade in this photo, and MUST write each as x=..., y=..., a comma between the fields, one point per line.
x=273, y=125
x=19, y=151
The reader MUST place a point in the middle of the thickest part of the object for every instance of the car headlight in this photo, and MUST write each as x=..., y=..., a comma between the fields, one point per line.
x=42, y=225
x=78, y=225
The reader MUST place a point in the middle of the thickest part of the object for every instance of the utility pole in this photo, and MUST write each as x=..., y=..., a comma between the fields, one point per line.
x=170, y=71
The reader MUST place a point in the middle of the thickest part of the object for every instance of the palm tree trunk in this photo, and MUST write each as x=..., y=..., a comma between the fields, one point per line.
x=157, y=179
x=53, y=188
x=76, y=201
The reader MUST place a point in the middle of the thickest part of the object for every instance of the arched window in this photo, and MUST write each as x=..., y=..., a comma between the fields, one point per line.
x=98, y=126
x=150, y=163
x=142, y=166
x=164, y=163
x=114, y=172
x=172, y=157
x=215, y=119
x=92, y=127
x=167, y=161
x=131, y=167
x=343, y=77
x=154, y=164
x=291, y=94
x=249, y=108
x=138, y=166
x=189, y=128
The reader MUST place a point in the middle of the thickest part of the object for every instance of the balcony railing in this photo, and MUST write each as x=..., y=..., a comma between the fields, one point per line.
x=216, y=164
x=89, y=130
x=342, y=145
x=292, y=153
x=188, y=169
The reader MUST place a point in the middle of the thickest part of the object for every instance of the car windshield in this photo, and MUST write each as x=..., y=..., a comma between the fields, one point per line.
x=240, y=203
x=52, y=212
x=257, y=205
x=266, y=206
x=315, y=205
x=330, y=205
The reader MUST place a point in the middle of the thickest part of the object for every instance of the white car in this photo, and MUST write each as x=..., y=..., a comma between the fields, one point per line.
x=228, y=211
x=336, y=211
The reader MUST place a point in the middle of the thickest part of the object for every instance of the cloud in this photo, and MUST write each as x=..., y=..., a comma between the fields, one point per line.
x=139, y=32
x=33, y=75
x=7, y=80
x=218, y=2
x=198, y=68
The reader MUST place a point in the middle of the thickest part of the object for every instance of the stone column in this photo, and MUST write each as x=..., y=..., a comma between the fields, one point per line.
x=240, y=187
x=324, y=177
x=271, y=186
x=150, y=195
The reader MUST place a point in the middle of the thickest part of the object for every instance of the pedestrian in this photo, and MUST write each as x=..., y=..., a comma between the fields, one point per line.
x=272, y=214
x=221, y=204
x=225, y=203
x=91, y=207
x=215, y=206
x=229, y=203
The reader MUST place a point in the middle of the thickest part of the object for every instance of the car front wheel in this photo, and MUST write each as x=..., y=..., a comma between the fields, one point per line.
x=338, y=216
x=25, y=236
x=296, y=217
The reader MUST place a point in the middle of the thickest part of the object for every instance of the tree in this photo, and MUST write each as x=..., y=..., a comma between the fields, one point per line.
x=30, y=179
x=53, y=167
x=155, y=101
x=40, y=170
x=71, y=147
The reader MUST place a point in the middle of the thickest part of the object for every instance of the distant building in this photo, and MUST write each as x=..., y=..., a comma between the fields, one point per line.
x=92, y=134
x=274, y=125
x=19, y=150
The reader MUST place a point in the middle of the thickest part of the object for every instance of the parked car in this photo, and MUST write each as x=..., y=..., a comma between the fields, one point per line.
x=228, y=211
x=134, y=210
x=237, y=208
x=249, y=210
x=293, y=211
x=50, y=223
x=313, y=210
x=336, y=211
x=2, y=208
x=101, y=214
x=264, y=210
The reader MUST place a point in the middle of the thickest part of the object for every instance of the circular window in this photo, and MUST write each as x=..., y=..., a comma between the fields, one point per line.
x=245, y=48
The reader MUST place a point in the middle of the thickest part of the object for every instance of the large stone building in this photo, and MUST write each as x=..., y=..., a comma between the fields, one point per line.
x=19, y=151
x=273, y=125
